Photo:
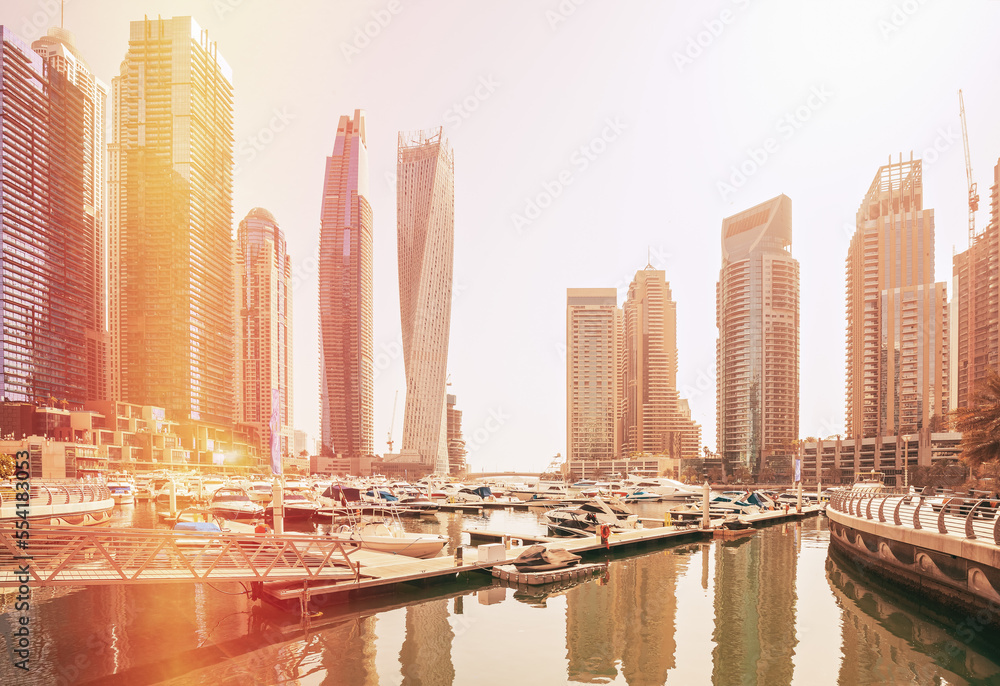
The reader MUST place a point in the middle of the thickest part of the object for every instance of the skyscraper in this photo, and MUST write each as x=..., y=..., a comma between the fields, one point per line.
x=347, y=374
x=976, y=306
x=59, y=50
x=897, y=316
x=425, y=225
x=264, y=328
x=46, y=235
x=655, y=419
x=757, y=358
x=170, y=210
x=456, y=444
x=593, y=323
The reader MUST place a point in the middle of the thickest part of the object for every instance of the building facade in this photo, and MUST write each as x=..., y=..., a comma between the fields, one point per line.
x=593, y=323
x=347, y=373
x=58, y=49
x=976, y=306
x=264, y=329
x=456, y=443
x=48, y=297
x=170, y=213
x=757, y=357
x=897, y=316
x=425, y=226
x=654, y=418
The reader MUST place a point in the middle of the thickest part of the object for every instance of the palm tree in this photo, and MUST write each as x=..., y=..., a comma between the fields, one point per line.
x=980, y=423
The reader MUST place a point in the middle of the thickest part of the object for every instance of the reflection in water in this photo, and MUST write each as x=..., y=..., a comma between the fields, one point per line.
x=738, y=621
x=886, y=640
x=425, y=657
x=755, y=609
x=630, y=619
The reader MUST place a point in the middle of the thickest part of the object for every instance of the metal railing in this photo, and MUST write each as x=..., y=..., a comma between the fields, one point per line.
x=73, y=556
x=966, y=517
x=57, y=493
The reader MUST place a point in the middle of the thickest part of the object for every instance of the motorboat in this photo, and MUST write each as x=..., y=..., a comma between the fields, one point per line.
x=385, y=539
x=546, y=490
x=231, y=502
x=473, y=495
x=667, y=489
x=587, y=518
x=296, y=504
x=210, y=484
x=261, y=491
x=641, y=496
x=740, y=502
x=122, y=487
x=868, y=483
x=182, y=495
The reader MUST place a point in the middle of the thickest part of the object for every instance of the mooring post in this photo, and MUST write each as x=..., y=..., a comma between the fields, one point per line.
x=173, y=499
x=704, y=507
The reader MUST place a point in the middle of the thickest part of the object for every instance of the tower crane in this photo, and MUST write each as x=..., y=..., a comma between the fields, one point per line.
x=973, y=190
x=392, y=422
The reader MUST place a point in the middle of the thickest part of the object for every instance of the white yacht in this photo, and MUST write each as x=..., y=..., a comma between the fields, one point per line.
x=122, y=487
x=666, y=489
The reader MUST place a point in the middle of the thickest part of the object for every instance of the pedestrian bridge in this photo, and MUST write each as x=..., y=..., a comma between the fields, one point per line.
x=75, y=556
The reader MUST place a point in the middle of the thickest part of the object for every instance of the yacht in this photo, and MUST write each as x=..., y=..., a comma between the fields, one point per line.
x=587, y=518
x=543, y=490
x=667, y=489
x=386, y=539
x=234, y=503
x=297, y=504
x=122, y=487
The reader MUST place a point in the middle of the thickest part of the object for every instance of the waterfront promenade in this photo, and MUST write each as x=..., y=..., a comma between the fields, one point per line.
x=942, y=547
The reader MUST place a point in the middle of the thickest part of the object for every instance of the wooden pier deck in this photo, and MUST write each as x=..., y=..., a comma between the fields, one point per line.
x=501, y=536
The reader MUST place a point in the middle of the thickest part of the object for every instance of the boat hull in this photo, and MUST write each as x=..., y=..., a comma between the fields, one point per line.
x=422, y=548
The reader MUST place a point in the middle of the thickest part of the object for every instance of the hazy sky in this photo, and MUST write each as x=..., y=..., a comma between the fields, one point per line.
x=620, y=121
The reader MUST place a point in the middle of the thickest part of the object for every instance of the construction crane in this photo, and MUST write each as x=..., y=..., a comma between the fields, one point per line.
x=973, y=190
x=392, y=422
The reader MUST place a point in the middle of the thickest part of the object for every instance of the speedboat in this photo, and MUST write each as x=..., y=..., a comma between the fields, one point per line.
x=473, y=495
x=586, y=518
x=233, y=503
x=548, y=491
x=667, y=489
x=297, y=505
x=261, y=491
x=122, y=487
x=182, y=495
x=384, y=539
x=640, y=495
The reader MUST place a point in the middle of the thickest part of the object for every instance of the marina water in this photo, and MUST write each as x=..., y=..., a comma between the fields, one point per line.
x=775, y=608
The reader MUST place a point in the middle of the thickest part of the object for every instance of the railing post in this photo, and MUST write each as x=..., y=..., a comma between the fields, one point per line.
x=895, y=512
x=916, y=514
x=881, y=508
x=942, y=529
x=969, y=531
x=868, y=511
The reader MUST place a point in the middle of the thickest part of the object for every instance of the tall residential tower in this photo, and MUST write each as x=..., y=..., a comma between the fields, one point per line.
x=425, y=225
x=46, y=234
x=897, y=316
x=655, y=420
x=170, y=210
x=757, y=359
x=347, y=373
x=264, y=329
x=59, y=50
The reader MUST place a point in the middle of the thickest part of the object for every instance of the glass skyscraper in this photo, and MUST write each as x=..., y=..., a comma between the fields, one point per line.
x=170, y=209
x=346, y=352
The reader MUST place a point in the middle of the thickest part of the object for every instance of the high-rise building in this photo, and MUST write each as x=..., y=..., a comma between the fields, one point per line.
x=593, y=323
x=757, y=358
x=46, y=234
x=264, y=329
x=976, y=306
x=170, y=215
x=346, y=347
x=655, y=421
x=897, y=316
x=425, y=225
x=59, y=50
x=456, y=443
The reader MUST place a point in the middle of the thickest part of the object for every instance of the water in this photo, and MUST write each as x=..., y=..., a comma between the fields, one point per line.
x=774, y=608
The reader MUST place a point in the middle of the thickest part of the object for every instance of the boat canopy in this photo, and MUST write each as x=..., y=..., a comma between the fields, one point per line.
x=384, y=495
x=345, y=493
x=481, y=491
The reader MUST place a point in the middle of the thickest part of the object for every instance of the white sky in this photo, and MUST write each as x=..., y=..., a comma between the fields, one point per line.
x=555, y=80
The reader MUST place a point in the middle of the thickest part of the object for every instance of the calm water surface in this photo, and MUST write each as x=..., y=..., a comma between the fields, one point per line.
x=772, y=609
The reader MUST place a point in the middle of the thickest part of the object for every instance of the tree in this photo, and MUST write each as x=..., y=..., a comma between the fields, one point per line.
x=8, y=465
x=980, y=423
x=715, y=474
x=304, y=453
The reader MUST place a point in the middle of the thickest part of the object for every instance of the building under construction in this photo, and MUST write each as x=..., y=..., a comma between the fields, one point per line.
x=977, y=304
